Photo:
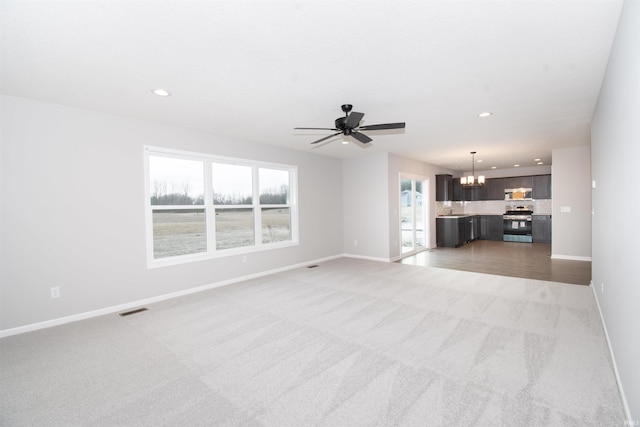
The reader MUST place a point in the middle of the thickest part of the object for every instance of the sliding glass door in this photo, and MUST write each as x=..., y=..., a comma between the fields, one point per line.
x=413, y=202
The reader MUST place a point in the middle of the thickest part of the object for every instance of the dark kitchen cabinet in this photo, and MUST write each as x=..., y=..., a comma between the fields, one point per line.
x=518, y=182
x=493, y=189
x=449, y=188
x=447, y=232
x=453, y=232
x=541, y=228
x=541, y=187
x=473, y=194
x=491, y=227
x=444, y=188
x=465, y=194
x=458, y=190
x=462, y=231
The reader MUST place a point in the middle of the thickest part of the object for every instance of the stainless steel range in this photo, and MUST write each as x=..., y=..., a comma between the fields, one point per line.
x=517, y=224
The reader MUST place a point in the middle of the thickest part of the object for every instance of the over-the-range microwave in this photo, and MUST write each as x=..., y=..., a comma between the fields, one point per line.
x=517, y=194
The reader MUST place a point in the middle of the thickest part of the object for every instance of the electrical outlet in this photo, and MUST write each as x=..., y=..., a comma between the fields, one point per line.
x=355, y=243
x=55, y=292
x=602, y=288
x=244, y=259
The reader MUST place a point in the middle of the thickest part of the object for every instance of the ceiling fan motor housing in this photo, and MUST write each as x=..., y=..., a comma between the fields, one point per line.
x=341, y=123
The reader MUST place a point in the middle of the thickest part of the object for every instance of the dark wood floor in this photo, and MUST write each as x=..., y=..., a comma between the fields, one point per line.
x=527, y=260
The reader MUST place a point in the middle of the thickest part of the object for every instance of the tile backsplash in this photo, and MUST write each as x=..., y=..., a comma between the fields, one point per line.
x=490, y=207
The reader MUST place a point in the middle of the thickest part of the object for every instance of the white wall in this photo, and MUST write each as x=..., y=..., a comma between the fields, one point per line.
x=571, y=189
x=615, y=157
x=73, y=211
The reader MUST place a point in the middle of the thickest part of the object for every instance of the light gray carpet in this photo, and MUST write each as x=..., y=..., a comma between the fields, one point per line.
x=348, y=343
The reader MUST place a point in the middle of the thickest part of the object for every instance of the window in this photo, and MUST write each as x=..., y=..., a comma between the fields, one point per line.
x=232, y=191
x=201, y=206
x=276, y=215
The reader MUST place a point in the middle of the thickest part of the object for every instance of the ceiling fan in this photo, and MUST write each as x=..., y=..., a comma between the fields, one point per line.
x=349, y=125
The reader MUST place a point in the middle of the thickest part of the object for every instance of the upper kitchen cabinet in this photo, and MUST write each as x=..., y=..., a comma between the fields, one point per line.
x=541, y=187
x=472, y=194
x=518, y=182
x=465, y=194
x=493, y=189
x=444, y=188
x=458, y=191
x=449, y=188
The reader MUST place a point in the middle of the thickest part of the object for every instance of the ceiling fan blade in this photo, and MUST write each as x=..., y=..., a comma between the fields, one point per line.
x=383, y=126
x=315, y=129
x=354, y=119
x=326, y=137
x=361, y=137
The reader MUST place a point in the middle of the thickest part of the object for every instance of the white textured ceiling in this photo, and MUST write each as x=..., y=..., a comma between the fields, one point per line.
x=256, y=70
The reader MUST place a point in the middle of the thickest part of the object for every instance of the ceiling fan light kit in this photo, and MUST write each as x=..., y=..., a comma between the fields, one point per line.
x=349, y=126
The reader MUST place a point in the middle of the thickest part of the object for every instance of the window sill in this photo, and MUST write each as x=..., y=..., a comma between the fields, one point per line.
x=185, y=259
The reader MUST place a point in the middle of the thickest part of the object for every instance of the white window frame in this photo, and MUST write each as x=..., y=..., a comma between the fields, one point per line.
x=209, y=207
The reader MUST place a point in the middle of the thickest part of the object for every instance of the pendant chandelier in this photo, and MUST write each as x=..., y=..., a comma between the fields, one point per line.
x=470, y=180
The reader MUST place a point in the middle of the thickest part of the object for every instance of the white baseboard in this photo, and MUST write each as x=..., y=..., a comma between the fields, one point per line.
x=625, y=405
x=151, y=300
x=392, y=259
x=571, y=257
x=369, y=258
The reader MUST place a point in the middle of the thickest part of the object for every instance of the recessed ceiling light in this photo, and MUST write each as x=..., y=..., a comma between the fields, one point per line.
x=485, y=114
x=541, y=163
x=493, y=167
x=516, y=166
x=345, y=142
x=480, y=160
x=536, y=160
x=161, y=92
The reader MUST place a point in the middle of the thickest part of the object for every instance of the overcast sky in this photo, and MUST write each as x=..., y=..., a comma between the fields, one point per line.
x=227, y=178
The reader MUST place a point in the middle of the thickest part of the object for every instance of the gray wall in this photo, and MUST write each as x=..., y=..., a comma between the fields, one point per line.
x=615, y=157
x=73, y=211
x=398, y=165
x=371, y=202
x=365, y=206
x=571, y=189
x=520, y=171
